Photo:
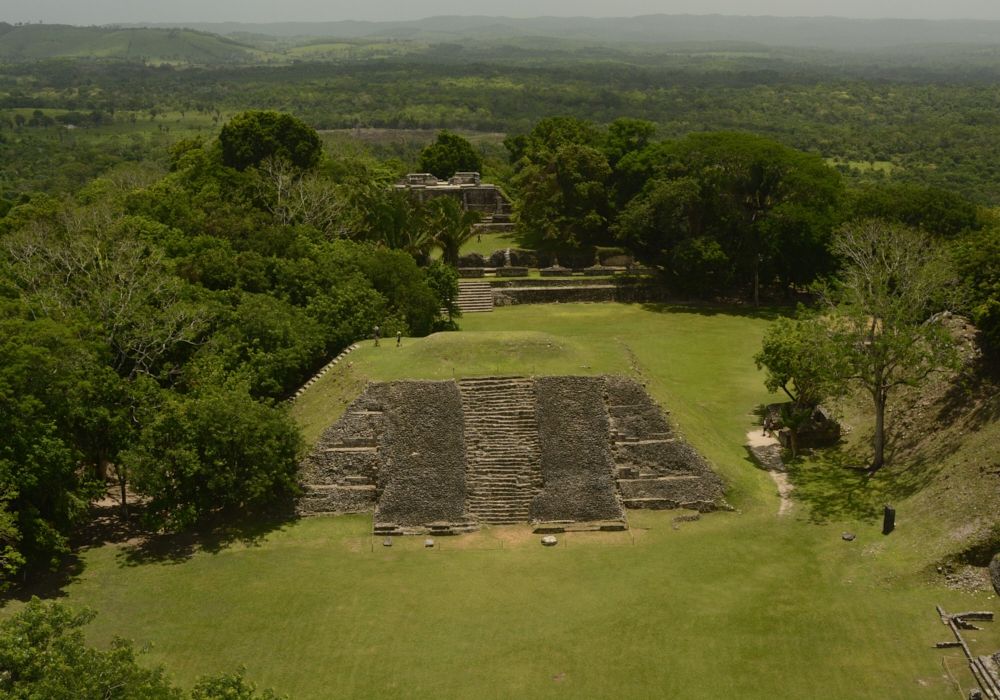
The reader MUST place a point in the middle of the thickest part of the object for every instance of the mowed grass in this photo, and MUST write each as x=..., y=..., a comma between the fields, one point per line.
x=740, y=604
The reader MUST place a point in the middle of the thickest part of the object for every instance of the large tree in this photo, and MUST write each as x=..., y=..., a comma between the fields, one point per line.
x=252, y=136
x=448, y=155
x=883, y=306
x=766, y=209
x=565, y=198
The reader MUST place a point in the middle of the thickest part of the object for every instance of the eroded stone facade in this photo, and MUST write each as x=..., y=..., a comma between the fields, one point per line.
x=449, y=456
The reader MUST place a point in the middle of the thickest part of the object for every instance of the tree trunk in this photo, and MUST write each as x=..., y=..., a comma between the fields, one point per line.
x=793, y=438
x=879, y=460
x=121, y=481
x=756, y=283
x=102, y=465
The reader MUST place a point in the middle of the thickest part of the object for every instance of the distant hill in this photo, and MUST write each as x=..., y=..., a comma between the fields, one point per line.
x=797, y=32
x=40, y=41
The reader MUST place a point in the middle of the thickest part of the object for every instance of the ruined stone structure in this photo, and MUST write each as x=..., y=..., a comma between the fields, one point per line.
x=449, y=456
x=488, y=200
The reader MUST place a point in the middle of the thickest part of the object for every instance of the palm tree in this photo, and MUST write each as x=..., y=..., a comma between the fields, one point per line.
x=451, y=226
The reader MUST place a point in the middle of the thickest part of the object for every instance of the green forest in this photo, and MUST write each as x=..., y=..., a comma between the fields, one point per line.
x=184, y=243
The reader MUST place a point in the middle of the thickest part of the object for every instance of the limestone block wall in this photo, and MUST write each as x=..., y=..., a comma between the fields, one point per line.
x=576, y=461
x=421, y=476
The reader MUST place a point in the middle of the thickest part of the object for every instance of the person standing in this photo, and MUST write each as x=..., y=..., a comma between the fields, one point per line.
x=378, y=332
x=399, y=338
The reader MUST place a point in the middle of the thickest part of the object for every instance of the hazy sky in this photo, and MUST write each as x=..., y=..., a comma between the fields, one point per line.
x=109, y=11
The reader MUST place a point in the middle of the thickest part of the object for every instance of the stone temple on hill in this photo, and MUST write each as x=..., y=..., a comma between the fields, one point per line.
x=488, y=200
x=449, y=456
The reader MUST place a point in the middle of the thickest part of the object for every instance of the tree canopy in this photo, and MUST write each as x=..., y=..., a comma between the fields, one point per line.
x=252, y=136
x=448, y=155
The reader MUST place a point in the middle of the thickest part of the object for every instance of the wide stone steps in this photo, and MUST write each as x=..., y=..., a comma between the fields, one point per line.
x=501, y=436
x=474, y=297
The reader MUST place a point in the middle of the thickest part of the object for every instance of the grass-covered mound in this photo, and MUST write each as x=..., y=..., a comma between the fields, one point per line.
x=742, y=604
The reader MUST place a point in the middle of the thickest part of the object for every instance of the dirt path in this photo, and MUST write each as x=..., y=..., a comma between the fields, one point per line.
x=755, y=439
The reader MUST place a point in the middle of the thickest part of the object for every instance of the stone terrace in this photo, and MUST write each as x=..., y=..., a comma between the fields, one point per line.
x=448, y=456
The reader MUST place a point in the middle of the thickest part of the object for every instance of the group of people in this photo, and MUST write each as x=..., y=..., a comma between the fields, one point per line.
x=378, y=334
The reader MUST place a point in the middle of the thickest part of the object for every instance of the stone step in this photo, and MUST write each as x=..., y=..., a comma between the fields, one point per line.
x=474, y=297
x=501, y=436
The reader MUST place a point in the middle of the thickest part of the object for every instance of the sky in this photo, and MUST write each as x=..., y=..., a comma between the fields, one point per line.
x=87, y=12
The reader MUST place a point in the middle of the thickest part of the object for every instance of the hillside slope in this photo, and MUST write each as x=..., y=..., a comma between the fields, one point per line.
x=943, y=476
x=41, y=41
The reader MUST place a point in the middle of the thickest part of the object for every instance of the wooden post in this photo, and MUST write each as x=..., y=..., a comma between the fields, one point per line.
x=888, y=520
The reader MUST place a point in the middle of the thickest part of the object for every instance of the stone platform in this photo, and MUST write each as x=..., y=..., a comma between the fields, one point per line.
x=449, y=456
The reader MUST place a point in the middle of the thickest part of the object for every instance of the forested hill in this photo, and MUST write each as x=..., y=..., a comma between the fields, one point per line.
x=834, y=33
x=32, y=42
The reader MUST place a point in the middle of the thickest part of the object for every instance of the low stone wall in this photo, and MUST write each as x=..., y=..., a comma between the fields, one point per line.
x=576, y=462
x=514, y=296
x=668, y=493
x=421, y=475
x=328, y=500
x=594, y=292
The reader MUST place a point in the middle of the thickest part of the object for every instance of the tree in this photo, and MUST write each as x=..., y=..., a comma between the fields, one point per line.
x=250, y=137
x=213, y=452
x=443, y=279
x=565, y=198
x=231, y=686
x=801, y=362
x=101, y=269
x=448, y=155
x=392, y=219
x=882, y=304
x=941, y=213
x=450, y=226
x=977, y=260
x=293, y=196
x=44, y=654
x=770, y=209
x=51, y=403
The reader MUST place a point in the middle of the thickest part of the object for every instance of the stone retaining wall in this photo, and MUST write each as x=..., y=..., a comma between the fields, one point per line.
x=576, y=462
x=595, y=292
x=421, y=475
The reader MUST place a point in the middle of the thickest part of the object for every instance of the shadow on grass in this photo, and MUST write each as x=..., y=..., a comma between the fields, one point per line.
x=836, y=483
x=701, y=308
x=138, y=547
x=211, y=537
x=104, y=525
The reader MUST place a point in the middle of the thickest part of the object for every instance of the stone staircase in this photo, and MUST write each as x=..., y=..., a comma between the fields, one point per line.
x=474, y=297
x=501, y=440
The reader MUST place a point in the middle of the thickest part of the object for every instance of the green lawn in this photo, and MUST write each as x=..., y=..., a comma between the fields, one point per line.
x=740, y=604
x=488, y=242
